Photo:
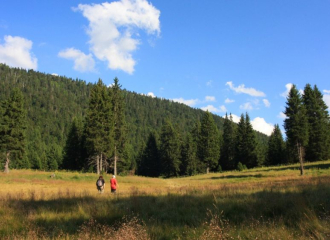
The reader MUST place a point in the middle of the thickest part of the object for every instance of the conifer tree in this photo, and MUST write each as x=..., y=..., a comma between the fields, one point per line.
x=99, y=125
x=209, y=142
x=12, y=126
x=169, y=150
x=73, y=151
x=296, y=125
x=188, y=157
x=150, y=163
x=246, y=144
x=318, y=123
x=119, y=125
x=227, y=159
x=276, y=147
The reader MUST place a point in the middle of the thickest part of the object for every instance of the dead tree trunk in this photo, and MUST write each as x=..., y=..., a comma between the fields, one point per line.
x=101, y=166
x=6, y=170
x=115, y=163
x=300, y=159
x=98, y=164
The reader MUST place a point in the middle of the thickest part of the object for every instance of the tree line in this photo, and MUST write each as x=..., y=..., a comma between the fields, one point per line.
x=68, y=124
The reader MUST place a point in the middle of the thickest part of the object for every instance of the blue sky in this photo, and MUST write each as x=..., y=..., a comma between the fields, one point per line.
x=232, y=56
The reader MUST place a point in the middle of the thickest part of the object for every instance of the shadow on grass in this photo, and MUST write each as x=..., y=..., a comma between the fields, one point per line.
x=182, y=210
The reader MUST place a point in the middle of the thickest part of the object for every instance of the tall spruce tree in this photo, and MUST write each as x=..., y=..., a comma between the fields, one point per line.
x=188, y=157
x=73, y=158
x=296, y=125
x=119, y=126
x=318, y=124
x=276, y=147
x=169, y=150
x=99, y=128
x=209, y=143
x=246, y=144
x=13, y=126
x=227, y=158
x=150, y=162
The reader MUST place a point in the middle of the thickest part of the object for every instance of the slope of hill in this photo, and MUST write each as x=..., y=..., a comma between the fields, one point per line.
x=52, y=102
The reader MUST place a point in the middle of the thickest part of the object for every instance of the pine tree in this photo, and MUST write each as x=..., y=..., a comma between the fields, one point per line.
x=246, y=144
x=227, y=159
x=276, y=147
x=119, y=125
x=188, y=157
x=209, y=142
x=296, y=125
x=150, y=164
x=318, y=122
x=169, y=150
x=13, y=126
x=99, y=126
x=73, y=151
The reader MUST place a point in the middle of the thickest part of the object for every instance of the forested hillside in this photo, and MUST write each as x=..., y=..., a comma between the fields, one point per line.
x=53, y=102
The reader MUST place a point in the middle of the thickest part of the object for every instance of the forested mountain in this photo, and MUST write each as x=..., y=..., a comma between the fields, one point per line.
x=53, y=103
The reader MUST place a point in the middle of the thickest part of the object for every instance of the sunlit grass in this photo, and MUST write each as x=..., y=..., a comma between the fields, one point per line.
x=263, y=203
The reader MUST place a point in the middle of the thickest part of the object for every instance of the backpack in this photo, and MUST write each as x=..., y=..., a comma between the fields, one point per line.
x=99, y=183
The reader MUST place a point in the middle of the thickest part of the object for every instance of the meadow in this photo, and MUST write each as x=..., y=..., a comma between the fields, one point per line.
x=262, y=203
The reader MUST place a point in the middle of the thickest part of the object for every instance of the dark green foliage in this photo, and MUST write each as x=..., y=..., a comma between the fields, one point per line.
x=74, y=156
x=150, y=162
x=318, y=124
x=246, y=144
x=296, y=125
x=208, y=149
x=227, y=159
x=169, y=151
x=241, y=167
x=13, y=126
x=53, y=102
x=119, y=128
x=188, y=157
x=276, y=147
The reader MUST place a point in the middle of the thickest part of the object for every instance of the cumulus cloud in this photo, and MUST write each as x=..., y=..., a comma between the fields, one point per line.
x=213, y=109
x=246, y=106
x=16, y=52
x=288, y=87
x=209, y=83
x=281, y=115
x=82, y=62
x=229, y=100
x=190, y=102
x=151, y=94
x=235, y=117
x=210, y=99
x=262, y=126
x=266, y=102
x=112, y=26
x=326, y=97
x=242, y=89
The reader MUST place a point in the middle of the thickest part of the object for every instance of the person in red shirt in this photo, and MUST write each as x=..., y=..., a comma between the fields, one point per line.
x=113, y=184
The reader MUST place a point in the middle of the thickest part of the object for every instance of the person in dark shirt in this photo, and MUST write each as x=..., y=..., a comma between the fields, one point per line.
x=100, y=183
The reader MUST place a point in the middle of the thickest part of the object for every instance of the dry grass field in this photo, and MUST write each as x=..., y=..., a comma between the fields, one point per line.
x=263, y=203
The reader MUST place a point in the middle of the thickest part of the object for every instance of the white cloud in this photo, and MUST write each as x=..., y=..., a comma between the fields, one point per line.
x=82, y=62
x=55, y=74
x=236, y=118
x=288, y=87
x=213, y=109
x=209, y=83
x=16, y=52
x=246, y=106
x=281, y=115
x=210, y=99
x=229, y=100
x=261, y=125
x=266, y=102
x=326, y=97
x=242, y=89
x=151, y=94
x=111, y=26
x=190, y=102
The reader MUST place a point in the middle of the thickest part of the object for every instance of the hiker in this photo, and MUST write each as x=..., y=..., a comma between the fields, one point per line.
x=113, y=184
x=100, y=183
